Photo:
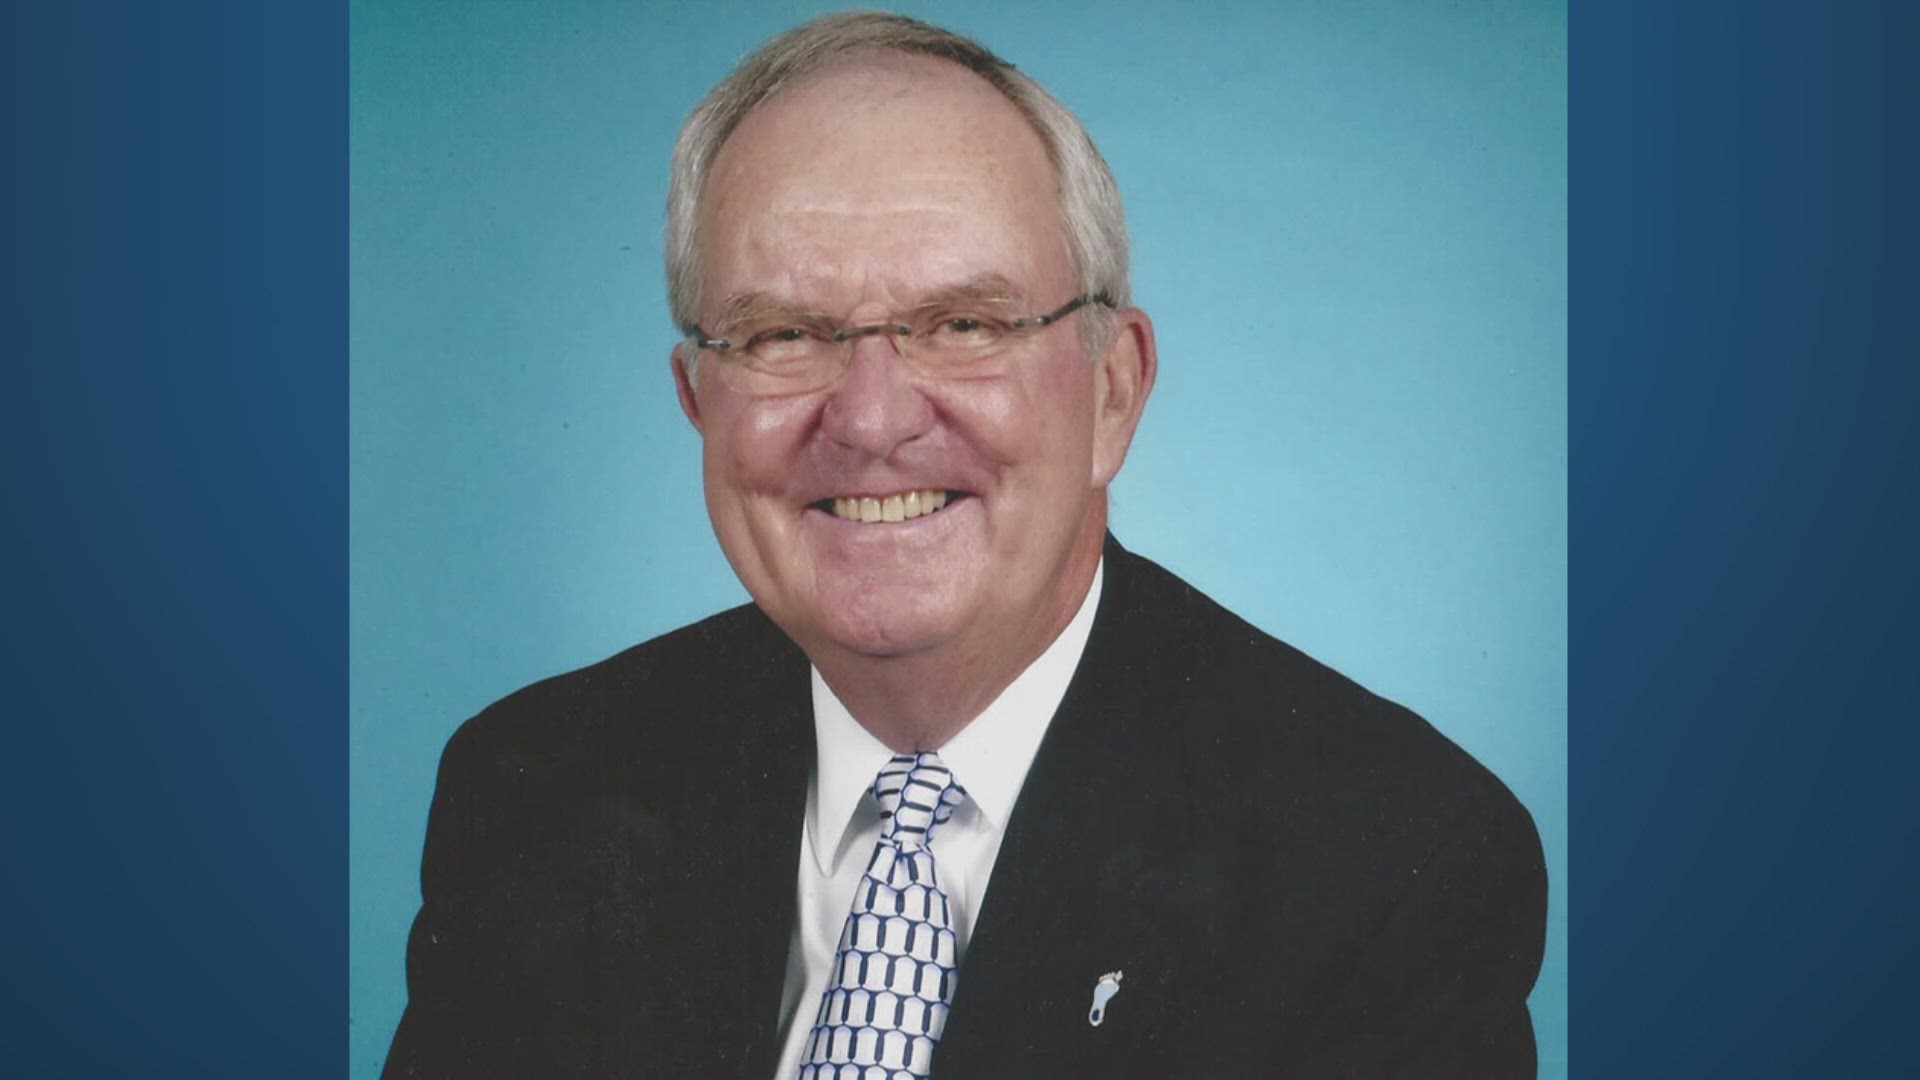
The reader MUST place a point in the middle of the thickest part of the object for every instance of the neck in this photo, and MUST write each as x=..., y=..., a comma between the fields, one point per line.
x=921, y=700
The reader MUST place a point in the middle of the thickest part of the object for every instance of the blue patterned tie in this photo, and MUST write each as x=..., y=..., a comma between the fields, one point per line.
x=893, y=976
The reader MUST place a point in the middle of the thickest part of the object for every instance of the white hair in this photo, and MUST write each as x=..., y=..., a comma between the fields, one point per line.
x=1092, y=219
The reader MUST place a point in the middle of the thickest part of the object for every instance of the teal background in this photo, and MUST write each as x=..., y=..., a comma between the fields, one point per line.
x=1349, y=224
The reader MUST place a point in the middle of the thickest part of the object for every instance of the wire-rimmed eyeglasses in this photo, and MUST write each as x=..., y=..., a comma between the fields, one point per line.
x=795, y=354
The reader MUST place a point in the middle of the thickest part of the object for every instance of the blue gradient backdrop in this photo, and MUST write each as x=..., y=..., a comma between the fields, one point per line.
x=1349, y=224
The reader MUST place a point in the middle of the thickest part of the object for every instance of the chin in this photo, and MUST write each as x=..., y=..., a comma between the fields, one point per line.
x=888, y=630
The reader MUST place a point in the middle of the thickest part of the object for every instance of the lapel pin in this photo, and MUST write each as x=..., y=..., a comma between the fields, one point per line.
x=1103, y=992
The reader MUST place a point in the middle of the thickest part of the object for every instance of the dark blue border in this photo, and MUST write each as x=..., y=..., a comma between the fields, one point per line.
x=175, y=693
x=1746, y=398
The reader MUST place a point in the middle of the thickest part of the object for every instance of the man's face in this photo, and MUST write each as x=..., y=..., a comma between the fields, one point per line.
x=861, y=195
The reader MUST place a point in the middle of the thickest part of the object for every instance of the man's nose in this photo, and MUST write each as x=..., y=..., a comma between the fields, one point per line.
x=877, y=404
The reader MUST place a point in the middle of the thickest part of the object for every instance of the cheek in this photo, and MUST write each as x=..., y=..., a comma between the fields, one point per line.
x=1047, y=406
x=750, y=447
x=1051, y=426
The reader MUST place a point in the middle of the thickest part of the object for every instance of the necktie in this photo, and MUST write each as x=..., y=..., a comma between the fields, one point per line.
x=893, y=975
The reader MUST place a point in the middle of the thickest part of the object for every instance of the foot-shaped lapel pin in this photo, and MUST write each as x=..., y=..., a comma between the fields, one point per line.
x=1103, y=992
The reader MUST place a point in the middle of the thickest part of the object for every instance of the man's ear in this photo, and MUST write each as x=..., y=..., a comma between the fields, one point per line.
x=1123, y=377
x=683, y=384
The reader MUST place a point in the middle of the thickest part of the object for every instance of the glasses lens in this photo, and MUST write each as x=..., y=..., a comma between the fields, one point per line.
x=960, y=340
x=786, y=358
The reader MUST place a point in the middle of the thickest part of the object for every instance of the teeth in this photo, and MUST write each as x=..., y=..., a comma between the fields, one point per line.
x=902, y=507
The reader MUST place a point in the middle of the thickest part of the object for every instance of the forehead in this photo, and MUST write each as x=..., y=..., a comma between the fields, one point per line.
x=890, y=175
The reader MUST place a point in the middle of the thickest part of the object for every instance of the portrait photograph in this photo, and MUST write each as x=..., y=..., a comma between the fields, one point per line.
x=1124, y=441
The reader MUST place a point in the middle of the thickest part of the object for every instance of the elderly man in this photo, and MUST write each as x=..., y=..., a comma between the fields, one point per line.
x=969, y=790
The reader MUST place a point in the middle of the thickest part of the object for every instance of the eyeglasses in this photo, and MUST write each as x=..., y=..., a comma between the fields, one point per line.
x=796, y=354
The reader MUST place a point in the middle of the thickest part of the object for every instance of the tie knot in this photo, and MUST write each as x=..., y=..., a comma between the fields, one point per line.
x=917, y=794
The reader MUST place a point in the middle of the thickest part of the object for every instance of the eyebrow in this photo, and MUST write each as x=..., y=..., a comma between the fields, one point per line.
x=754, y=305
x=984, y=287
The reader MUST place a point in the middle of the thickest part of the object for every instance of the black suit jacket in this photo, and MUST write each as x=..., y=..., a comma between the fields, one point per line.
x=1297, y=878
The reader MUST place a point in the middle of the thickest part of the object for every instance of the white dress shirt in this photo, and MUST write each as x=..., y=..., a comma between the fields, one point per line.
x=989, y=758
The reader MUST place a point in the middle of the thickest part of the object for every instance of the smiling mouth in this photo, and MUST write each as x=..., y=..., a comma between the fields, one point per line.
x=874, y=509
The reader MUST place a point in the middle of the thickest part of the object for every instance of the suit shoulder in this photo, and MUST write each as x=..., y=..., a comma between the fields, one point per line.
x=588, y=710
x=1273, y=718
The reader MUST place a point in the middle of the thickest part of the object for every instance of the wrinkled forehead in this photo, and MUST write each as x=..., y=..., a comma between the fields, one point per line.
x=892, y=172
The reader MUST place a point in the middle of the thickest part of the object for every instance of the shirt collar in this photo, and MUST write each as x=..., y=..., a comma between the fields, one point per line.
x=989, y=757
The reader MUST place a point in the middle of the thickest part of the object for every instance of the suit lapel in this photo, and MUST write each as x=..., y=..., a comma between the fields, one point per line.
x=1091, y=879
